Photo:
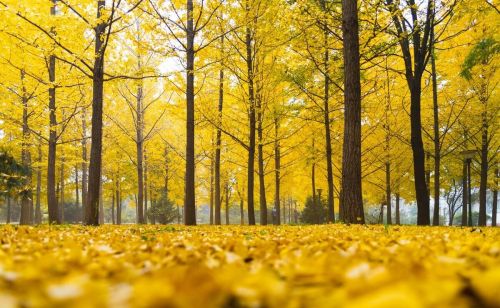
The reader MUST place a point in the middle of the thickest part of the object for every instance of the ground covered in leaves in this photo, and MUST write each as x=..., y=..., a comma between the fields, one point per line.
x=288, y=266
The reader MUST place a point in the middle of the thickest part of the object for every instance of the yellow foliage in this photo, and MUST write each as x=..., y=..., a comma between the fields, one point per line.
x=231, y=266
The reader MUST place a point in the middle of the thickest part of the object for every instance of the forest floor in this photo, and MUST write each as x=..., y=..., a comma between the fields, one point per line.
x=234, y=266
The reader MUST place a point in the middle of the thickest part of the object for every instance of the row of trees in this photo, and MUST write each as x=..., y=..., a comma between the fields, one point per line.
x=143, y=101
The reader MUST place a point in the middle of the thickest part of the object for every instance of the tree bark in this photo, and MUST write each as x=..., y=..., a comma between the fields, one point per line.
x=218, y=146
x=398, y=221
x=62, y=191
x=351, y=161
x=77, y=188
x=38, y=209
x=277, y=171
x=52, y=143
x=326, y=117
x=227, y=203
x=252, y=124
x=495, y=201
x=464, y=195
x=260, y=159
x=388, y=192
x=212, y=188
x=118, y=201
x=140, y=156
x=437, y=144
x=95, y=167
x=26, y=198
x=189, y=200
x=84, y=165
x=484, y=170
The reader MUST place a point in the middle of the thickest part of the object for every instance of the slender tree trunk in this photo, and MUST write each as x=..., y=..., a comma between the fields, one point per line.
x=227, y=203
x=212, y=188
x=62, y=201
x=252, y=124
x=484, y=171
x=495, y=201
x=113, y=205
x=189, y=200
x=146, y=184
x=101, y=205
x=277, y=171
x=398, y=221
x=26, y=198
x=77, y=188
x=260, y=159
x=313, y=178
x=95, y=167
x=351, y=161
x=51, y=159
x=38, y=209
x=140, y=157
x=242, y=212
x=118, y=201
x=84, y=165
x=437, y=145
x=9, y=209
x=388, y=192
x=464, y=194
x=326, y=117
x=218, y=146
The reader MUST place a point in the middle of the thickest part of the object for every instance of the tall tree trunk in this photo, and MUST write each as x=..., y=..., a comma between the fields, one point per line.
x=38, y=209
x=146, y=184
x=484, y=169
x=252, y=124
x=113, y=205
x=326, y=117
x=95, y=167
x=212, y=188
x=62, y=201
x=260, y=159
x=227, y=202
x=351, y=160
x=277, y=171
x=189, y=199
x=465, y=191
x=313, y=178
x=495, y=201
x=140, y=156
x=26, y=198
x=84, y=165
x=422, y=194
x=51, y=159
x=218, y=146
x=437, y=144
x=118, y=201
x=388, y=192
x=77, y=188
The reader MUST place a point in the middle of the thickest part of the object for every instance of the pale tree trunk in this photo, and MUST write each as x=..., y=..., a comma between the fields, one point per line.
x=352, y=201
